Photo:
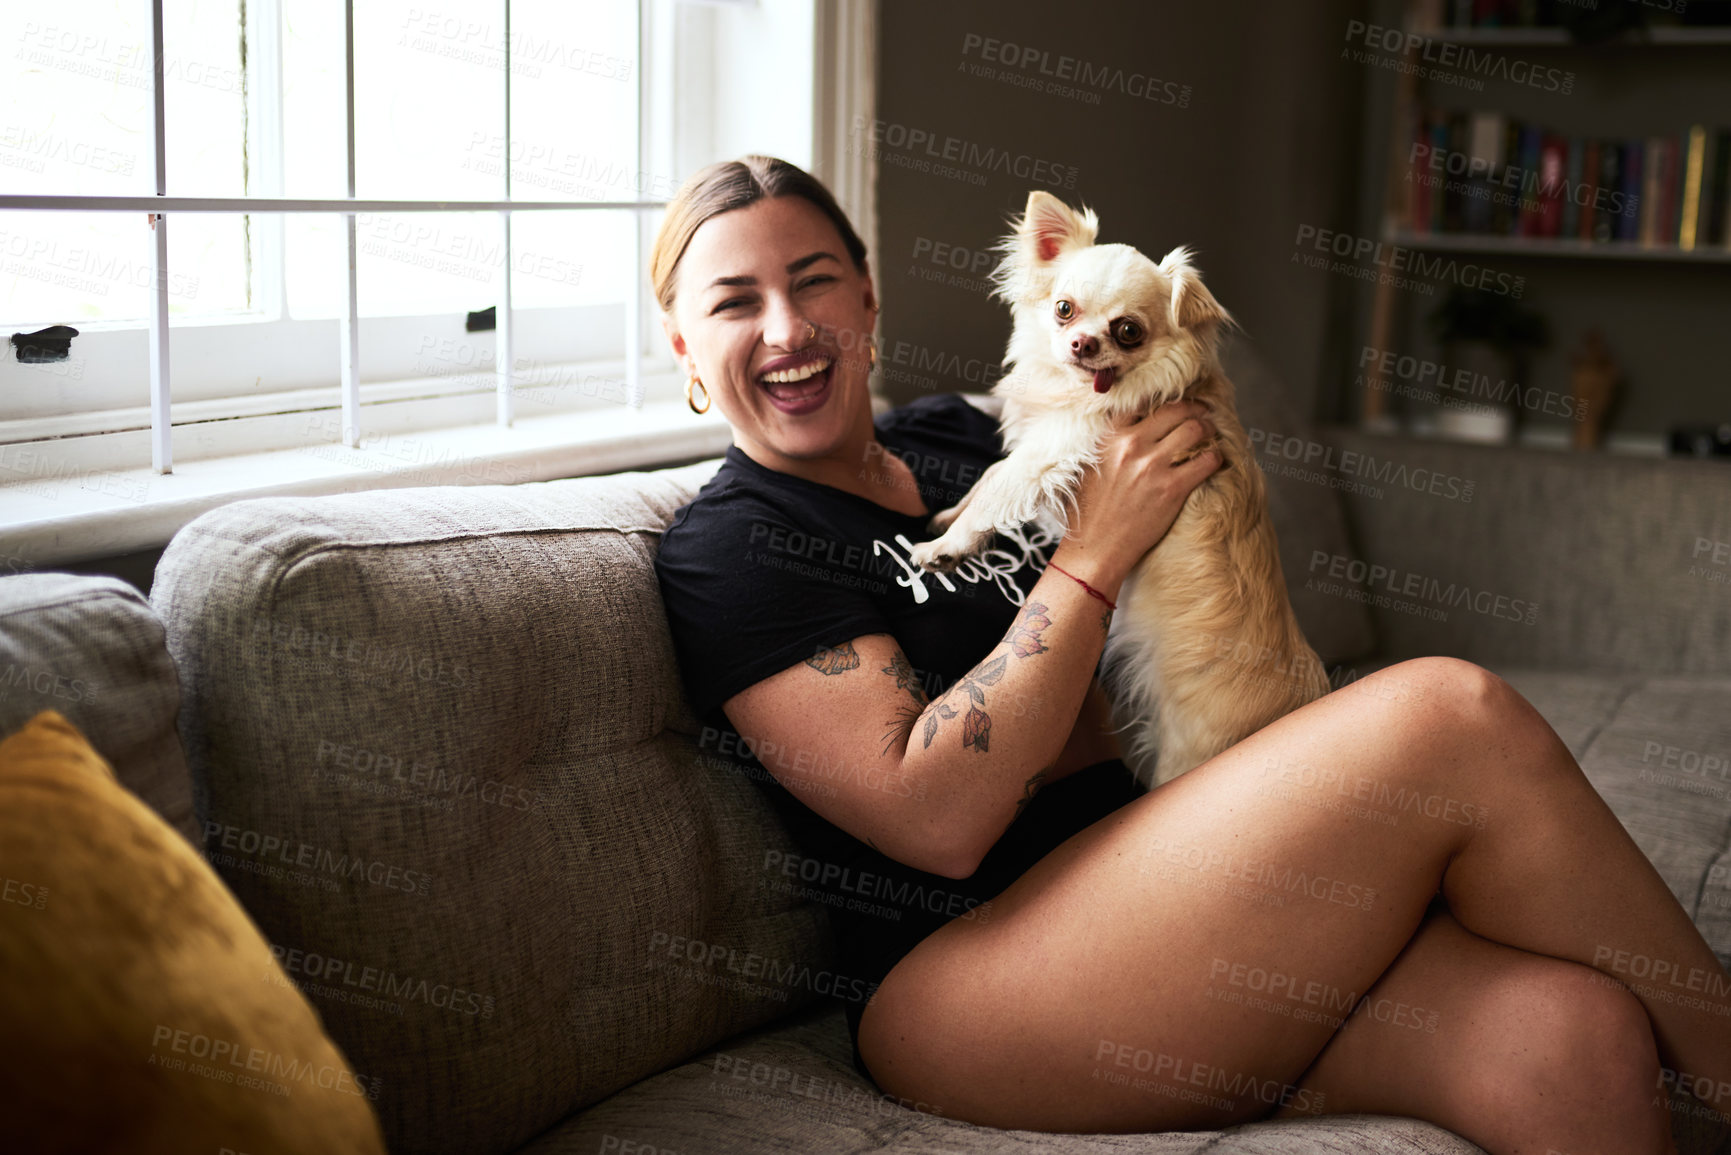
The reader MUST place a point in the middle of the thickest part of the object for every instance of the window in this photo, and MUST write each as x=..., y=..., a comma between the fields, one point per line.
x=609, y=101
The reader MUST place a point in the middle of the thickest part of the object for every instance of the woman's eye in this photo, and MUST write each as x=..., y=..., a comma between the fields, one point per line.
x=805, y=284
x=1065, y=310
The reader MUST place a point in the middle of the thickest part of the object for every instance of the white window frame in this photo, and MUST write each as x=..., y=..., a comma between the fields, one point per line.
x=211, y=347
x=226, y=427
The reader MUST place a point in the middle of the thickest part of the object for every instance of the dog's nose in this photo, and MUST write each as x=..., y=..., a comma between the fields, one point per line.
x=1084, y=346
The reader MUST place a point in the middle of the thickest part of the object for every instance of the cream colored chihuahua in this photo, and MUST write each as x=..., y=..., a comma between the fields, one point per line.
x=1204, y=649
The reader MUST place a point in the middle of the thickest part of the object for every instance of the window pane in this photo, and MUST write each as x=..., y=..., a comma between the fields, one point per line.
x=77, y=94
x=427, y=79
x=429, y=110
x=574, y=86
x=312, y=101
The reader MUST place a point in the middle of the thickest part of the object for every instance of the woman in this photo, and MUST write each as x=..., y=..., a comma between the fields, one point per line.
x=1058, y=951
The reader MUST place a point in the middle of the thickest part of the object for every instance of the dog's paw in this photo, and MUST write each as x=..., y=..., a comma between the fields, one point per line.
x=944, y=518
x=938, y=555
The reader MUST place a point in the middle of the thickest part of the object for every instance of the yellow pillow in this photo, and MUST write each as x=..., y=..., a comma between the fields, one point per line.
x=140, y=1008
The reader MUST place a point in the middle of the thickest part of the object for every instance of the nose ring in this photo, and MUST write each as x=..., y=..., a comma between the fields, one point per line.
x=810, y=331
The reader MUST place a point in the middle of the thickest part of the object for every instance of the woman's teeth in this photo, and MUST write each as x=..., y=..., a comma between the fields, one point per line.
x=791, y=376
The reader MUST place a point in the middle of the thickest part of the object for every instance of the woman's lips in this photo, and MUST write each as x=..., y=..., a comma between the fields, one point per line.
x=798, y=397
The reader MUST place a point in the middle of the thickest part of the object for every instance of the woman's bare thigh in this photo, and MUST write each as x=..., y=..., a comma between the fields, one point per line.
x=1099, y=995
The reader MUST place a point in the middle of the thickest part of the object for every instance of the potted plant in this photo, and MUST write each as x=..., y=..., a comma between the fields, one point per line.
x=1492, y=338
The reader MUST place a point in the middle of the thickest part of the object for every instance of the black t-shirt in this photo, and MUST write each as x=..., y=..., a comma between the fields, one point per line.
x=763, y=570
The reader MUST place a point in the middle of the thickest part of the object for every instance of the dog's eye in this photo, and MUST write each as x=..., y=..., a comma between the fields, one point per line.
x=1065, y=310
x=1127, y=332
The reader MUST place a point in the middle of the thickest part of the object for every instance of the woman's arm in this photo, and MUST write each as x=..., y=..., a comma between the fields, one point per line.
x=934, y=783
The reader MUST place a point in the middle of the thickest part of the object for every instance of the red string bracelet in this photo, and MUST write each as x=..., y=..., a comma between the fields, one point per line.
x=1091, y=590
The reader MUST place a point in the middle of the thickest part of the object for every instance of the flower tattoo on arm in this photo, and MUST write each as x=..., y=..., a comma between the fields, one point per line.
x=907, y=678
x=1024, y=636
x=901, y=727
x=977, y=723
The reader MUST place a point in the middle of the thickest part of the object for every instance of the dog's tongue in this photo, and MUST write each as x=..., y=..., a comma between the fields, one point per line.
x=1103, y=379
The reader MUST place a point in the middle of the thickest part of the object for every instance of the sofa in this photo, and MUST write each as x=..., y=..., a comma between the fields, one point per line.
x=564, y=936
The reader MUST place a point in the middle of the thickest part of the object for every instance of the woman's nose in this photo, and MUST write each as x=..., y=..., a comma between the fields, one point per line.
x=785, y=326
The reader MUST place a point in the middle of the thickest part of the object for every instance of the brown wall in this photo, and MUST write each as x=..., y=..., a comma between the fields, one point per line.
x=1265, y=140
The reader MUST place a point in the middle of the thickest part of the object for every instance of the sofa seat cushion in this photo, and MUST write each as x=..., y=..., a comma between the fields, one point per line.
x=792, y=1087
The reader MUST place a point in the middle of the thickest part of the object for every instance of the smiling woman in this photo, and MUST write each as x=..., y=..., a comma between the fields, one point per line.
x=784, y=329
x=1031, y=941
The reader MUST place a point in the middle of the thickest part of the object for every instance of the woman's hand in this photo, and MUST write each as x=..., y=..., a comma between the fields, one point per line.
x=1148, y=465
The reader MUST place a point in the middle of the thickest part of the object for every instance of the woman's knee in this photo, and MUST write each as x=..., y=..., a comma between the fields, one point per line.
x=1468, y=704
x=1580, y=1040
x=1467, y=692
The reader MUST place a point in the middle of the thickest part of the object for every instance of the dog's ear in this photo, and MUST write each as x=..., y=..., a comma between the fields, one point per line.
x=1193, y=306
x=1049, y=227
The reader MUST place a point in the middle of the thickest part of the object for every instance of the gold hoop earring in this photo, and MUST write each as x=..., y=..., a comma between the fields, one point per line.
x=872, y=348
x=689, y=382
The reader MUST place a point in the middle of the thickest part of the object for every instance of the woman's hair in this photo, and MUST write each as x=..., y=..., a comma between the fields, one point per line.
x=734, y=184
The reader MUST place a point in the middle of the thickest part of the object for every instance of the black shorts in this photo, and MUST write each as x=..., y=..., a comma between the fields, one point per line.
x=869, y=950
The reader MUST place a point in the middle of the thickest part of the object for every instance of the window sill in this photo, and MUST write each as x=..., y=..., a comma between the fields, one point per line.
x=64, y=519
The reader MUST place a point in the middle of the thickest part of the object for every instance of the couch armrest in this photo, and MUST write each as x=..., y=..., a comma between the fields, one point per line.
x=91, y=648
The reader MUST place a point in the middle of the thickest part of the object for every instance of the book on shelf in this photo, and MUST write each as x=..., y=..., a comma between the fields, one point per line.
x=1718, y=191
x=1586, y=194
x=1485, y=173
x=1608, y=201
x=1628, y=221
x=1553, y=170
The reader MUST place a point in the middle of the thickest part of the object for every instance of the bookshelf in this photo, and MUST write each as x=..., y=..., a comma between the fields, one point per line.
x=1628, y=103
x=1660, y=37
x=1553, y=247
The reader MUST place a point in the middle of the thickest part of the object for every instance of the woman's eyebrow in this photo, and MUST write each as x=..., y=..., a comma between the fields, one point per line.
x=792, y=268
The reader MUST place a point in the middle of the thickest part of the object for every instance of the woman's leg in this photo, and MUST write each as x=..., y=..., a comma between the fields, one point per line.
x=1319, y=842
x=1514, y=1051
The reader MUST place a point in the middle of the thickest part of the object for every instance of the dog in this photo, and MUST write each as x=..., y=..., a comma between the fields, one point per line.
x=1204, y=649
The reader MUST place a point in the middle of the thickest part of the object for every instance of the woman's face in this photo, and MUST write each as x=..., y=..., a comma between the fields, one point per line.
x=774, y=319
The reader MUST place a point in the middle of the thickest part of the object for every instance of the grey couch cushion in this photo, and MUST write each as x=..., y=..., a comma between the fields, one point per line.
x=791, y=1088
x=1617, y=554
x=433, y=732
x=91, y=648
